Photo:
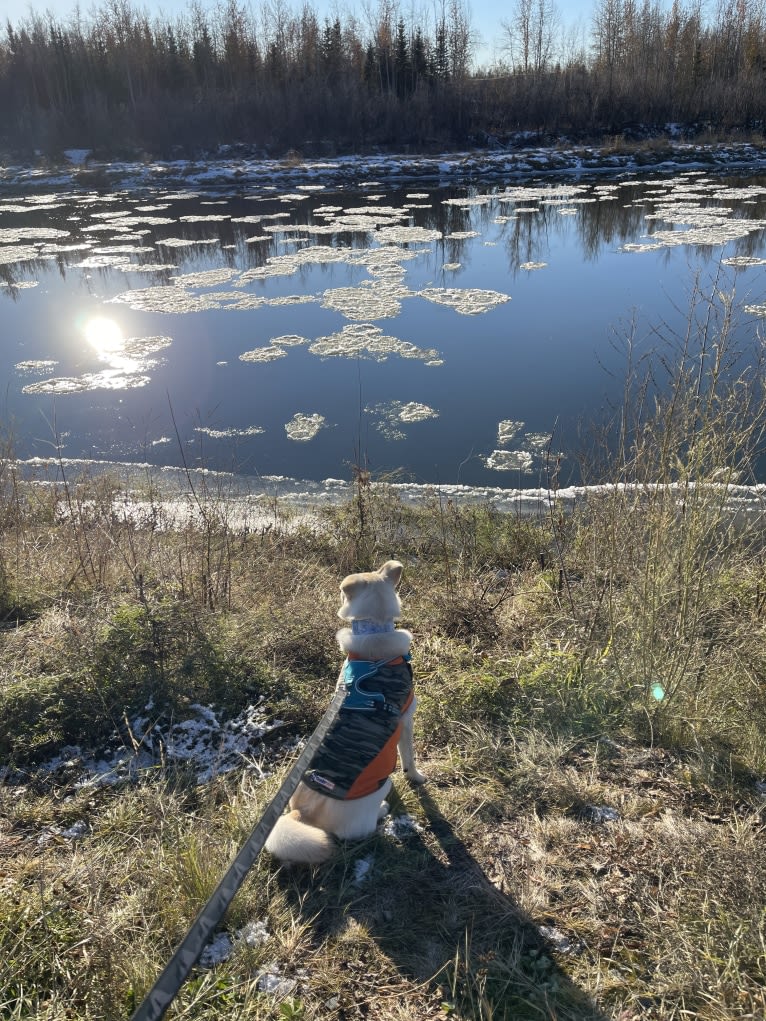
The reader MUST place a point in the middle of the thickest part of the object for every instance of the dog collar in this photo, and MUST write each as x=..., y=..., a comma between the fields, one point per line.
x=370, y=627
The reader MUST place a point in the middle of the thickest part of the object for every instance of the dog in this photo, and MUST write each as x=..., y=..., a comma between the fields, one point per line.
x=342, y=792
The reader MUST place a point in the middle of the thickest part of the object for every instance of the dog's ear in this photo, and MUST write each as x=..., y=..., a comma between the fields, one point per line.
x=391, y=571
x=351, y=586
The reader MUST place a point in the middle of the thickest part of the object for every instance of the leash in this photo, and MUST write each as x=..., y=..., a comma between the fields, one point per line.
x=175, y=973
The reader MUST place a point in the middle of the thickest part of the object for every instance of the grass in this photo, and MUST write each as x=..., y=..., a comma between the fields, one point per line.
x=611, y=658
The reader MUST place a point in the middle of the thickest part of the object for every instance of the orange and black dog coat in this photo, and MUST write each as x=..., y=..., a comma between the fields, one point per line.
x=358, y=753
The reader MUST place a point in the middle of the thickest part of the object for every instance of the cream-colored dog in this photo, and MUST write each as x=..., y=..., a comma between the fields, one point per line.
x=343, y=791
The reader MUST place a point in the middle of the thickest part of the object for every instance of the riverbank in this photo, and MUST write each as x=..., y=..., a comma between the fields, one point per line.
x=236, y=167
x=590, y=718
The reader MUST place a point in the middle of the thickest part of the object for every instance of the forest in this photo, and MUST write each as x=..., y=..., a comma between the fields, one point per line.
x=276, y=79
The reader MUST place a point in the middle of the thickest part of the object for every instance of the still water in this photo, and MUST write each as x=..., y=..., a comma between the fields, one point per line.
x=450, y=335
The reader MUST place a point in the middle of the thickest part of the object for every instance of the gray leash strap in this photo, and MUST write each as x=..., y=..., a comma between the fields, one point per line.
x=175, y=973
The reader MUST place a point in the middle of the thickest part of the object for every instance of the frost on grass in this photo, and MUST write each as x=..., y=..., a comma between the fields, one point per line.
x=362, y=869
x=303, y=428
x=756, y=310
x=467, y=301
x=364, y=340
x=389, y=417
x=401, y=826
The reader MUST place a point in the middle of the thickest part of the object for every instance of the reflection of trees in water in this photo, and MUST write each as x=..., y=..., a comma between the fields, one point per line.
x=616, y=217
x=609, y=222
x=527, y=237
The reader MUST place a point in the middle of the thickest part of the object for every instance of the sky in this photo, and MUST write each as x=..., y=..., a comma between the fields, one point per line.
x=485, y=15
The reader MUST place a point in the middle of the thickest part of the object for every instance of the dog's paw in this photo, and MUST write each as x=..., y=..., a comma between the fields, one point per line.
x=383, y=811
x=415, y=776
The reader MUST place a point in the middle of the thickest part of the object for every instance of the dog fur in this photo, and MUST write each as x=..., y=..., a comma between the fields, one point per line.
x=306, y=833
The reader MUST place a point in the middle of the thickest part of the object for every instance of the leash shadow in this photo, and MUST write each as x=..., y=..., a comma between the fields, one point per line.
x=448, y=932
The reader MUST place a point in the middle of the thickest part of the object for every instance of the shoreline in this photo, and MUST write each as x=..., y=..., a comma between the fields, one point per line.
x=224, y=169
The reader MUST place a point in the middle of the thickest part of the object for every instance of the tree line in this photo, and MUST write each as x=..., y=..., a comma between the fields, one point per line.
x=275, y=78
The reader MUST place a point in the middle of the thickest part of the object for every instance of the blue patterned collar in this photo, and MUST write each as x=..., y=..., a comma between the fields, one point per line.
x=370, y=627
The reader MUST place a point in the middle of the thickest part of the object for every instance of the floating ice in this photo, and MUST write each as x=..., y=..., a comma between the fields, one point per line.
x=206, y=278
x=304, y=427
x=165, y=298
x=510, y=460
x=226, y=434
x=392, y=414
x=186, y=242
x=290, y=340
x=506, y=430
x=743, y=261
x=108, y=380
x=263, y=354
x=129, y=360
x=102, y=262
x=17, y=253
x=362, y=302
x=16, y=235
x=532, y=265
x=397, y=235
x=206, y=218
x=467, y=301
x=360, y=340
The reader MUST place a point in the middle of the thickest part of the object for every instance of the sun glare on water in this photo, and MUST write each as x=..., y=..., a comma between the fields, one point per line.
x=105, y=336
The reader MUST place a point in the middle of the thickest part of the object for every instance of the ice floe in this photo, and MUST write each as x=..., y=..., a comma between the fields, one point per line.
x=467, y=301
x=263, y=354
x=389, y=417
x=365, y=340
x=303, y=428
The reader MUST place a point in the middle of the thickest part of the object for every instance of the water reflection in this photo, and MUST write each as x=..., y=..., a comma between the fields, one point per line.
x=272, y=301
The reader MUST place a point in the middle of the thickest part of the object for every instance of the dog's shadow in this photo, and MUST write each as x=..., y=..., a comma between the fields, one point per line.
x=454, y=943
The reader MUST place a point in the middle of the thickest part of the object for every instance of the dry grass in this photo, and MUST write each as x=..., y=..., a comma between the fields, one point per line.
x=584, y=849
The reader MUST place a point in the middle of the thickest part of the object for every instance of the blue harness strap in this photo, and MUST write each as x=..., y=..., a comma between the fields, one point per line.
x=357, y=670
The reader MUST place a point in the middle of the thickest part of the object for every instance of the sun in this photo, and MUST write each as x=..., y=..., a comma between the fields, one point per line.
x=105, y=336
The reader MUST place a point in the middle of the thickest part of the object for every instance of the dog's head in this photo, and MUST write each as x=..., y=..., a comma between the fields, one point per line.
x=371, y=595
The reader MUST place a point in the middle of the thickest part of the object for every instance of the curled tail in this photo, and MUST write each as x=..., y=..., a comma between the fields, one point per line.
x=292, y=840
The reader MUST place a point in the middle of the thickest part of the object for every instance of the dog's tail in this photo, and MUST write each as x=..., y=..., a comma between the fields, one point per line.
x=295, y=841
